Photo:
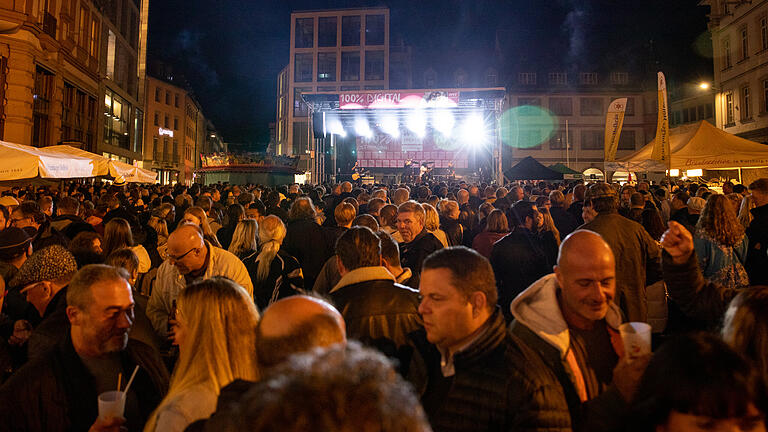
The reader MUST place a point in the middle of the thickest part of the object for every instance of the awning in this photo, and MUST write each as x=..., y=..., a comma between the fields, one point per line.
x=700, y=145
x=24, y=162
x=104, y=166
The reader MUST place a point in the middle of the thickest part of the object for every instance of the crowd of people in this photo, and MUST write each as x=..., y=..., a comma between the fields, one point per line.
x=409, y=307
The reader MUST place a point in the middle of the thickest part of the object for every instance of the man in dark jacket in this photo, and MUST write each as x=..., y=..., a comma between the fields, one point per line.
x=564, y=221
x=43, y=280
x=305, y=240
x=378, y=311
x=577, y=205
x=570, y=320
x=58, y=392
x=521, y=257
x=67, y=221
x=27, y=215
x=417, y=242
x=757, y=233
x=637, y=254
x=476, y=379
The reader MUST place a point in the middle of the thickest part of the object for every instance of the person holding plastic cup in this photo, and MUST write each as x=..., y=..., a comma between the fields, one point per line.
x=570, y=319
x=59, y=391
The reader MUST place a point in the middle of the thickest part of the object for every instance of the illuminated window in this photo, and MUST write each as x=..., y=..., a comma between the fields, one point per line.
x=94, y=48
x=729, y=119
x=111, y=55
x=84, y=38
x=326, y=66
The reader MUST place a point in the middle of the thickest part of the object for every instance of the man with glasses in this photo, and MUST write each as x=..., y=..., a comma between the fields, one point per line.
x=190, y=258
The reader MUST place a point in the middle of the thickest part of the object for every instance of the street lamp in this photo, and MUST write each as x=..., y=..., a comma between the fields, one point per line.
x=704, y=86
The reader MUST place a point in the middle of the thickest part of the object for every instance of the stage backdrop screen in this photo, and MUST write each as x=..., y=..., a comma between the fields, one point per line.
x=385, y=151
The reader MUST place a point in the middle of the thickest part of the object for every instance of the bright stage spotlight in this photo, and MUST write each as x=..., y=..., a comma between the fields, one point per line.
x=336, y=128
x=362, y=128
x=417, y=123
x=390, y=126
x=443, y=122
x=473, y=130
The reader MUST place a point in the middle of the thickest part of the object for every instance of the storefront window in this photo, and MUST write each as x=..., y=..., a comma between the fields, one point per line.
x=117, y=114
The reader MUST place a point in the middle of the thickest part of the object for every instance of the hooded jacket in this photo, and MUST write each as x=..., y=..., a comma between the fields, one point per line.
x=540, y=324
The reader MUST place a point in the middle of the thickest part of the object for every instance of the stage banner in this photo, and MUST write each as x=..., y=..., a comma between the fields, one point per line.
x=613, y=123
x=661, y=151
x=397, y=99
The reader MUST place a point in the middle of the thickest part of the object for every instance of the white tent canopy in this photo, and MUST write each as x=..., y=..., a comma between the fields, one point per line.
x=698, y=146
x=104, y=166
x=24, y=162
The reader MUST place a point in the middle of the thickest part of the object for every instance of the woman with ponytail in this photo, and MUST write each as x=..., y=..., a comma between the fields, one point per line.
x=275, y=273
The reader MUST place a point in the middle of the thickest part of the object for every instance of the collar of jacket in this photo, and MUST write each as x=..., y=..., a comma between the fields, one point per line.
x=418, y=237
x=363, y=274
x=537, y=308
x=491, y=338
x=404, y=276
x=214, y=255
x=761, y=211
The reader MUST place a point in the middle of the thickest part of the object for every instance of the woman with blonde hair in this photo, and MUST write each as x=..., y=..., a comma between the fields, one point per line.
x=432, y=224
x=197, y=216
x=721, y=244
x=215, y=330
x=244, y=241
x=745, y=211
x=275, y=273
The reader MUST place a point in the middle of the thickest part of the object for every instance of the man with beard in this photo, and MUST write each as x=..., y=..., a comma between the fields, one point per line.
x=59, y=391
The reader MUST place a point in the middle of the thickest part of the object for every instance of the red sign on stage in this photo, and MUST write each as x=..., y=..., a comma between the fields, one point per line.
x=396, y=99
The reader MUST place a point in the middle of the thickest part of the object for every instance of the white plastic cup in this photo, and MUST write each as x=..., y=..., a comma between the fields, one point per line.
x=111, y=404
x=637, y=339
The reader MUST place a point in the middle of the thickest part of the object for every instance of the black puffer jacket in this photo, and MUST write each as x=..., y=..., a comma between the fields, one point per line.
x=57, y=393
x=499, y=385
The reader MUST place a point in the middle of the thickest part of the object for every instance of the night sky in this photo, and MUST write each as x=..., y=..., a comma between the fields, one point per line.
x=230, y=52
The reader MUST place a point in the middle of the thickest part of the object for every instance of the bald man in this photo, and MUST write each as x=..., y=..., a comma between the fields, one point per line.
x=569, y=318
x=288, y=326
x=190, y=258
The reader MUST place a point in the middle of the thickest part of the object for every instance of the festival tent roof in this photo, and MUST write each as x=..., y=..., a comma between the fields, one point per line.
x=563, y=169
x=530, y=169
x=699, y=145
x=103, y=166
x=25, y=162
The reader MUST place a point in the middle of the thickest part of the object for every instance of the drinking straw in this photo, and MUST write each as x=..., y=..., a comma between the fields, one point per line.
x=119, y=380
x=130, y=381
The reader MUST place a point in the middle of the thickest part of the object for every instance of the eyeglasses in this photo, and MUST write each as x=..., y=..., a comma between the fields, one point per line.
x=180, y=257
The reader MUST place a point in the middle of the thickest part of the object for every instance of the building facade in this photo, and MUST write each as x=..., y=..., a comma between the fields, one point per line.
x=740, y=47
x=330, y=50
x=58, y=61
x=174, y=132
x=559, y=117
